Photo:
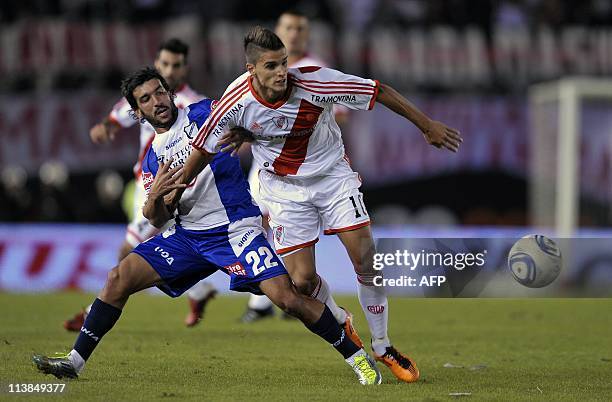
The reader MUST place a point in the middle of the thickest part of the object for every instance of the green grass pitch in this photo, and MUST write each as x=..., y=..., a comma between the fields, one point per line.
x=509, y=350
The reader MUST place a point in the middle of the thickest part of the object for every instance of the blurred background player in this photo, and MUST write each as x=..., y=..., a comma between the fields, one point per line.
x=293, y=28
x=172, y=64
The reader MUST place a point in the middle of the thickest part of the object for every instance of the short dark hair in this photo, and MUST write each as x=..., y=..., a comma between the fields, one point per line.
x=138, y=78
x=258, y=40
x=176, y=46
x=294, y=12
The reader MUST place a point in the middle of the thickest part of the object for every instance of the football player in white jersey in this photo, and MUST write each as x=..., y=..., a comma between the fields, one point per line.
x=305, y=178
x=293, y=29
x=217, y=227
x=172, y=63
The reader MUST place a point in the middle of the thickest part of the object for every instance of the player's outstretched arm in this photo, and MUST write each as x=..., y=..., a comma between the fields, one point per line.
x=436, y=133
x=166, y=181
x=197, y=161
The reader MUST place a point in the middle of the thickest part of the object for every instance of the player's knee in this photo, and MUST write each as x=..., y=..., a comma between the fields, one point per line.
x=113, y=278
x=124, y=250
x=305, y=285
x=364, y=264
x=117, y=284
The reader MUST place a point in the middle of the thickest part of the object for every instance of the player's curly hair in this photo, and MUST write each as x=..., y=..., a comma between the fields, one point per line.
x=258, y=40
x=138, y=78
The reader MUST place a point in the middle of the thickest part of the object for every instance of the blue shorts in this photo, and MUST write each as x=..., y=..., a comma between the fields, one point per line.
x=183, y=257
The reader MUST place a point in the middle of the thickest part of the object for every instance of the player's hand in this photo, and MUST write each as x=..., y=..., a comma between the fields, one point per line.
x=172, y=199
x=166, y=180
x=234, y=138
x=442, y=136
x=100, y=134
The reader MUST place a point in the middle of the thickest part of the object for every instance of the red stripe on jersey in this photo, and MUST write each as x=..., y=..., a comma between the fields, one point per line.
x=207, y=128
x=218, y=111
x=333, y=86
x=373, y=100
x=114, y=121
x=359, y=84
x=294, y=150
x=142, y=155
x=308, y=69
x=346, y=92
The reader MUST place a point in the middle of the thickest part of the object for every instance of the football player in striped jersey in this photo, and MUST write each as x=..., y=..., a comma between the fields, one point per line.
x=172, y=63
x=305, y=177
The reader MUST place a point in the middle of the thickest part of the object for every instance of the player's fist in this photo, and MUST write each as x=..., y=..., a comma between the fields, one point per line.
x=440, y=135
x=100, y=134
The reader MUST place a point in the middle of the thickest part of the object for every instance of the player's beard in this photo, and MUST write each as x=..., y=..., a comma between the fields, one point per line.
x=159, y=124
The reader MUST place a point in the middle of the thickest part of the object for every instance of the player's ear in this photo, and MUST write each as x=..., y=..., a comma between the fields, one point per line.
x=250, y=68
x=138, y=113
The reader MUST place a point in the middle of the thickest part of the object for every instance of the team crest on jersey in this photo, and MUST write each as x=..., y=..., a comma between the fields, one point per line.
x=281, y=122
x=235, y=268
x=169, y=232
x=279, y=234
x=213, y=105
x=189, y=130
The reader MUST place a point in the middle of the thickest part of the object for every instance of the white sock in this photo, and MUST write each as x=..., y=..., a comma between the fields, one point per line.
x=374, y=304
x=257, y=302
x=379, y=346
x=351, y=360
x=76, y=360
x=323, y=294
x=200, y=291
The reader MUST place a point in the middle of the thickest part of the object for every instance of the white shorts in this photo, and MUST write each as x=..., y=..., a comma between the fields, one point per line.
x=139, y=229
x=254, y=188
x=298, y=207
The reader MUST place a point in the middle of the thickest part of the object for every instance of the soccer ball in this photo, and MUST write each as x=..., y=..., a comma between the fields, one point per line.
x=535, y=261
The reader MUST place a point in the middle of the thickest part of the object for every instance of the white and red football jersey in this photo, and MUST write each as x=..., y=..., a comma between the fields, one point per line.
x=298, y=135
x=121, y=114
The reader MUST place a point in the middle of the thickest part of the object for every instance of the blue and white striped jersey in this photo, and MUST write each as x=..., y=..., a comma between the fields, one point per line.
x=219, y=195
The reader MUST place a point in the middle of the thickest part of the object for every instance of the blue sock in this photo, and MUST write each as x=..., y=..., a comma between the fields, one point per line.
x=327, y=328
x=99, y=321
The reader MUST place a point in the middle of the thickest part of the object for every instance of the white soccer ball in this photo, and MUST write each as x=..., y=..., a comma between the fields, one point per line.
x=535, y=261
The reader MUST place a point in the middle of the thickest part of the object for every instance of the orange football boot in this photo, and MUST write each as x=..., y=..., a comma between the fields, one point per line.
x=400, y=365
x=349, y=330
